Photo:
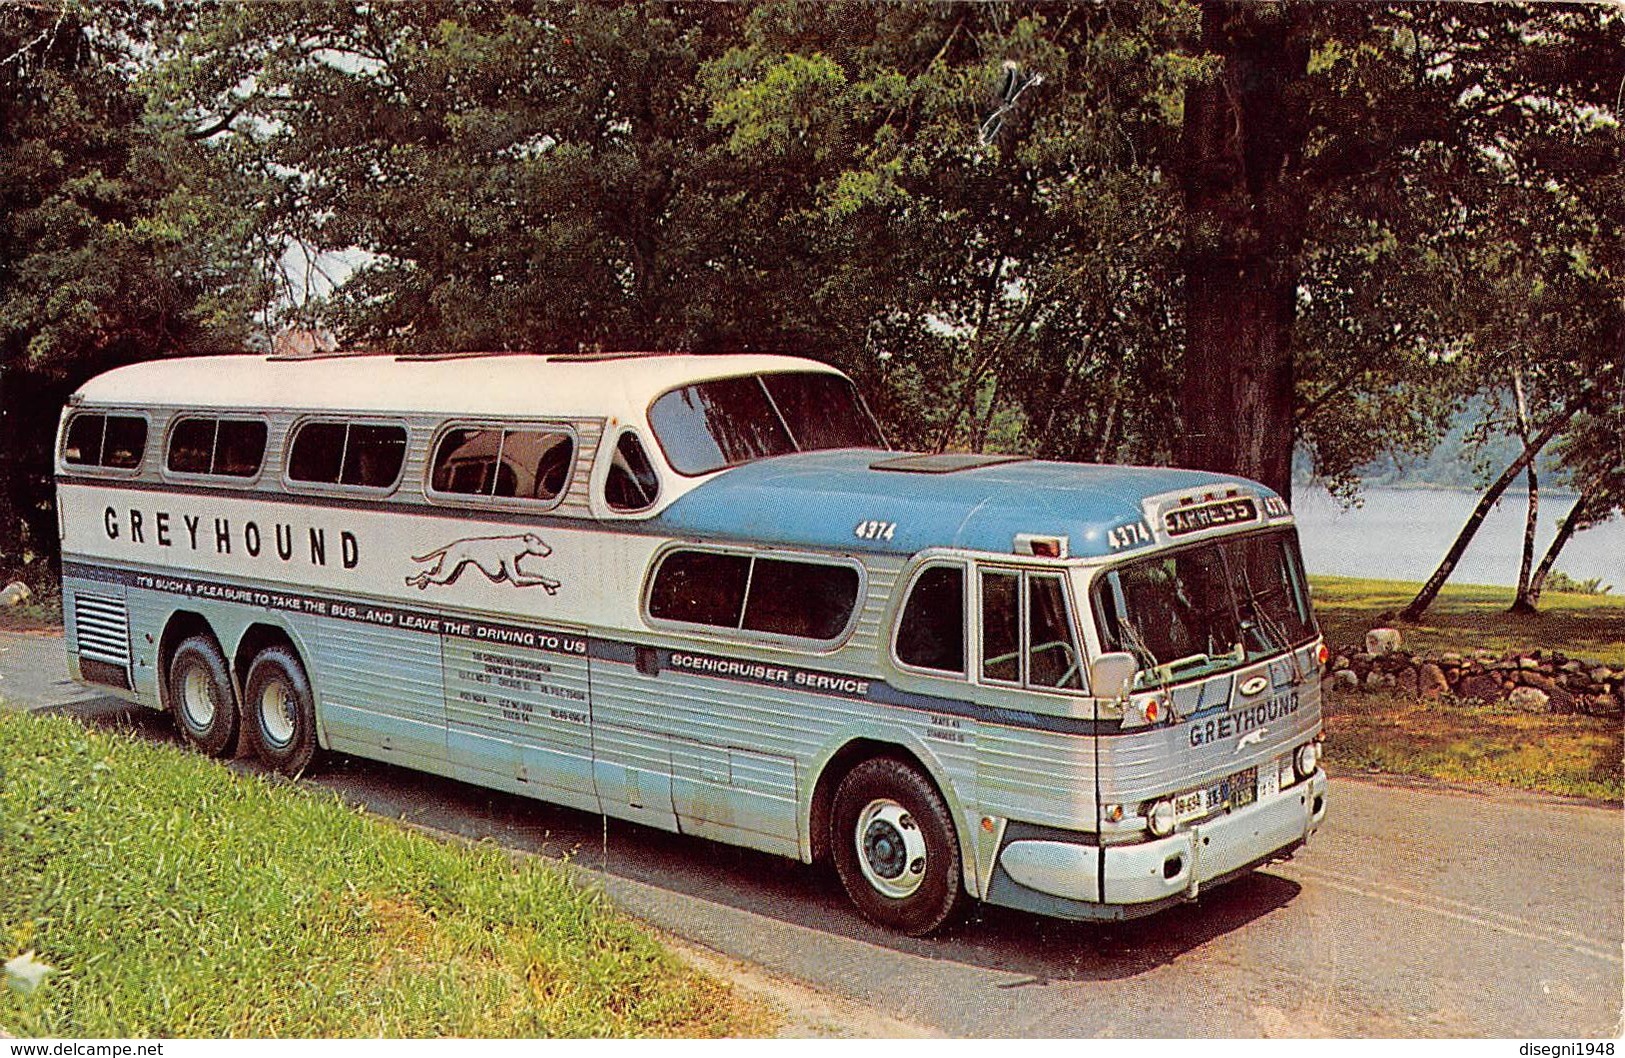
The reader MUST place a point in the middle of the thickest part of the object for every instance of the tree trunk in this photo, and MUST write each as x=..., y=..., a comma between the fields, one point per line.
x=1570, y=523
x=1424, y=598
x=1521, y=603
x=1245, y=219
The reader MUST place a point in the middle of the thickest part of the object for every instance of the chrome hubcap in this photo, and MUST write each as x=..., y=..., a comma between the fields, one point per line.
x=277, y=713
x=891, y=849
x=197, y=698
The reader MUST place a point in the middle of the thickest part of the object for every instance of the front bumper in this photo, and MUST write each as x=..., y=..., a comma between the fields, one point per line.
x=1121, y=881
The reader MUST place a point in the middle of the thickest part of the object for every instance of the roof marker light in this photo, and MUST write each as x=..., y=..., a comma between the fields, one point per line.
x=1040, y=546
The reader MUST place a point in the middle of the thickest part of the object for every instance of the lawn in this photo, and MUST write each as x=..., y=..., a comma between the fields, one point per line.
x=1469, y=742
x=1468, y=617
x=174, y=897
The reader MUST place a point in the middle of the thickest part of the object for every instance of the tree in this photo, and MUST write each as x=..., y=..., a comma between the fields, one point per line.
x=108, y=254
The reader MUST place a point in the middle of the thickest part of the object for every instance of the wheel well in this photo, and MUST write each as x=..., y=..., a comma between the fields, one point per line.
x=256, y=639
x=183, y=625
x=844, y=760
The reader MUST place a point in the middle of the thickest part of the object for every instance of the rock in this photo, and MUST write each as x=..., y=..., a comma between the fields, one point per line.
x=1448, y=658
x=1528, y=699
x=1340, y=664
x=1483, y=687
x=1528, y=664
x=1538, y=681
x=1605, y=705
x=15, y=594
x=1346, y=680
x=1573, y=667
x=1407, y=682
x=1602, y=674
x=1382, y=641
x=1431, y=684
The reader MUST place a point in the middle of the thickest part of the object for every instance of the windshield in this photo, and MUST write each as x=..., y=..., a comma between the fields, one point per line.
x=1205, y=608
x=726, y=422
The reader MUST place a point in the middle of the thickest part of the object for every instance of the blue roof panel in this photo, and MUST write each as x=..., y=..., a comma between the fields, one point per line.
x=818, y=499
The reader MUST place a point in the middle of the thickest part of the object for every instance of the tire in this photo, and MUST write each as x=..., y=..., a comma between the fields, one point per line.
x=895, y=848
x=279, y=711
x=201, y=696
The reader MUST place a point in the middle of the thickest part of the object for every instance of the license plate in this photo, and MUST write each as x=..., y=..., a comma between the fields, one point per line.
x=1269, y=782
x=1190, y=805
x=1233, y=791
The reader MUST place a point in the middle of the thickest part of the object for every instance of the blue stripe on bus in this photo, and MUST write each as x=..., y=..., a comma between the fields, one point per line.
x=599, y=648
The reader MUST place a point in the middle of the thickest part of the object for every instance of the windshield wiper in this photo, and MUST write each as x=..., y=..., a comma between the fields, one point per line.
x=1273, y=627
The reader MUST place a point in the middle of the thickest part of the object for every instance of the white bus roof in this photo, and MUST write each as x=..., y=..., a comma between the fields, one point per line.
x=619, y=386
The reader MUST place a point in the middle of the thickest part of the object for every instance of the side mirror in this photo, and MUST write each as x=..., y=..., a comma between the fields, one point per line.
x=1109, y=674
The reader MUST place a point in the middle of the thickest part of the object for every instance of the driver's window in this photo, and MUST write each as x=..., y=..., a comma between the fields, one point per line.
x=1001, y=627
x=1027, y=636
x=1052, y=653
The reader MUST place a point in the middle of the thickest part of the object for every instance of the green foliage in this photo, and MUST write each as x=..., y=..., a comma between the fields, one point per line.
x=1562, y=582
x=119, y=240
x=173, y=897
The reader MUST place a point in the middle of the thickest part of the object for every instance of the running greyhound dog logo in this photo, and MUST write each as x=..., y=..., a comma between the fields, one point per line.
x=495, y=556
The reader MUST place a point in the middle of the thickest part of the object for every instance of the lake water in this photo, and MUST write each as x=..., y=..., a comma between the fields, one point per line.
x=1401, y=534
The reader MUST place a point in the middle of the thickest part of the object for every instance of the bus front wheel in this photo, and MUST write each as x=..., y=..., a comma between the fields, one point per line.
x=895, y=848
x=201, y=696
x=280, y=711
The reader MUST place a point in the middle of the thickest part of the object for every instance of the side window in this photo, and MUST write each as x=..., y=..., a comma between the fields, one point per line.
x=336, y=453
x=776, y=596
x=191, y=446
x=1027, y=632
x=226, y=447
x=631, y=484
x=700, y=587
x=1001, y=627
x=931, y=632
x=524, y=464
x=239, y=447
x=98, y=440
x=808, y=600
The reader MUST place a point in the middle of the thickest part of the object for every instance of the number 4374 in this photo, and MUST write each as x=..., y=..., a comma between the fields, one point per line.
x=872, y=530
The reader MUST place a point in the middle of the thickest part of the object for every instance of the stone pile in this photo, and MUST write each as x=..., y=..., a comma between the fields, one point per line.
x=1535, y=681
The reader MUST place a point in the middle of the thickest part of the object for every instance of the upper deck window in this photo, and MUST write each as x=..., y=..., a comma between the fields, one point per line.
x=729, y=421
x=502, y=463
x=225, y=447
x=771, y=595
x=364, y=455
x=95, y=439
x=631, y=484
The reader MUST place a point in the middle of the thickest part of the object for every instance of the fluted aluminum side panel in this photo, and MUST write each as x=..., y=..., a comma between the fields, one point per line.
x=1037, y=776
x=380, y=686
x=101, y=628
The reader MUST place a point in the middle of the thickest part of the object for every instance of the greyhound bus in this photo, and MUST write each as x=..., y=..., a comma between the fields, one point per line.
x=702, y=594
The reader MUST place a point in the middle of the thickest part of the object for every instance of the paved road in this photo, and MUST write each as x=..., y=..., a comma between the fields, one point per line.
x=1414, y=913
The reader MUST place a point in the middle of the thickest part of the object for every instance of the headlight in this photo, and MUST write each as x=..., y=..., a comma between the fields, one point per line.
x=1307, y=757
x=1161, y=818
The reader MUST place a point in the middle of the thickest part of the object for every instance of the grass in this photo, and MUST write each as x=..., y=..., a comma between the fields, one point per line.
x=175, y=897
x=1470, y=742
x=1579, y=756
x=1468, y=617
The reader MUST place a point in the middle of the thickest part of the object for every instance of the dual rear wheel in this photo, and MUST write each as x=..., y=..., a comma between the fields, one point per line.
x=277, y=720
